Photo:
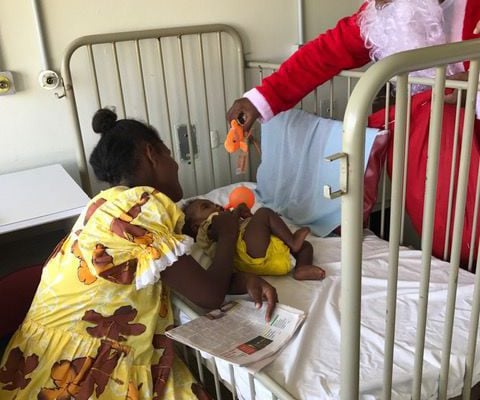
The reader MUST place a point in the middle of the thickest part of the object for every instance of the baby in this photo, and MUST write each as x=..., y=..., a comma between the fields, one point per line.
x=264, y=244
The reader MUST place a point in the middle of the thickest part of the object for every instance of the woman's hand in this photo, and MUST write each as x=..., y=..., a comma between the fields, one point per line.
x=225, y=225
x=244, y=112
x=260, y=290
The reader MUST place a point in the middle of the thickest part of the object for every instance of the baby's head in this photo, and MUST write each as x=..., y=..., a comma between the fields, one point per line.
x=196, y=211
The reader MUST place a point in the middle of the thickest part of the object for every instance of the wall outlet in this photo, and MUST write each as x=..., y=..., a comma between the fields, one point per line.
x=7, y=85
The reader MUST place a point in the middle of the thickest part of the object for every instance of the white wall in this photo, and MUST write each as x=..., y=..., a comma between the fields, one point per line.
x=35, y=126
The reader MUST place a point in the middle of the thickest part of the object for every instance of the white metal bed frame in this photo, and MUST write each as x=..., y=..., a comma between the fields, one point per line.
x=324, y=101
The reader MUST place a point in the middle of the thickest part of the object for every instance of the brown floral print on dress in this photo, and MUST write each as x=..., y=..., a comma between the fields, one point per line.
x=132, y=233
x=101, y=260
x=123, y=273
x=136, y=209
x=17, y=367
x=161, y=371
x=92, y=208
x=83, y=273
x=114, y=326
x=79, y=378
x=122, y=227
x=66, y=376
x=101, y=371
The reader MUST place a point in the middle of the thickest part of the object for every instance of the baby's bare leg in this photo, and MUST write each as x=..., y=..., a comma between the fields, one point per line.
x=304, y=268
x=266, y=222
x=257, y=233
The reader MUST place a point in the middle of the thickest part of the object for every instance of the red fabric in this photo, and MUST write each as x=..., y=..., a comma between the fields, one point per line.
x=331, y=52
x=373, y=172
x=416, y=170
x=316, y=62
x=472, y=16
x=16, y=294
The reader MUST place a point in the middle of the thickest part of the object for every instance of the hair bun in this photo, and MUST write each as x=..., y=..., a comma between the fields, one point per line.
x=103, y=120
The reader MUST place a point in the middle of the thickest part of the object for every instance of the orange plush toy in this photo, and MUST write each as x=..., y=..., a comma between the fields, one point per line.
x=236, y=139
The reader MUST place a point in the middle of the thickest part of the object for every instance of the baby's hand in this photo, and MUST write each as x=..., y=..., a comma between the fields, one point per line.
x=243, y=211
x=225, y=224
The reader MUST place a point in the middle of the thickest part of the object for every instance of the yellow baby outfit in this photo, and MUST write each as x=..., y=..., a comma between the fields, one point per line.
x=96, y=326
x=276, y=261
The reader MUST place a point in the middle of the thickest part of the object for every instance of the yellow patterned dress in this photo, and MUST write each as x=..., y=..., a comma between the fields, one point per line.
x=96, y=326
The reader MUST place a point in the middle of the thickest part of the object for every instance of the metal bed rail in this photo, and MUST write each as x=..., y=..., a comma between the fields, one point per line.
x=353, y=146
x=358, y=96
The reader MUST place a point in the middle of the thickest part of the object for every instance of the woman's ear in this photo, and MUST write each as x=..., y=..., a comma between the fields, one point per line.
x=150, y=153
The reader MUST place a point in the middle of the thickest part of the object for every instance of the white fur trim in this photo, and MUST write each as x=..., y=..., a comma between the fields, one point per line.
x=152, y=274
x=260, y=104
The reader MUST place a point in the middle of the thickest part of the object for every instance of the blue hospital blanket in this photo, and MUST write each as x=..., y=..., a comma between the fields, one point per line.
x=293, y=169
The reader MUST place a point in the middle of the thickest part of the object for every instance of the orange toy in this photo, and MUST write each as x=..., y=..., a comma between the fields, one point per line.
x=236, y=138
x=240, y=195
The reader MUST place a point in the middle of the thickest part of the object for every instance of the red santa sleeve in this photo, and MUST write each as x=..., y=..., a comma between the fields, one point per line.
x=314, y=63
x=471, y=17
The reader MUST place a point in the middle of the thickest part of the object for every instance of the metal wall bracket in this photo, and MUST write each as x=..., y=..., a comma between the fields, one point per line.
x=327, y=189
x=184, y=144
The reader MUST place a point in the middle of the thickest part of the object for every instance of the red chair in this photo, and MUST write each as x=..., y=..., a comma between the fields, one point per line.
x=16, y=293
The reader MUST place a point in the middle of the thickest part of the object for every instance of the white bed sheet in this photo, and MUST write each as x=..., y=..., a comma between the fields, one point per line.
x=309, y=367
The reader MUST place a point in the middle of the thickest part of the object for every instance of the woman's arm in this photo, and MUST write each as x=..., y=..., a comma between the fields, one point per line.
x=207, y=288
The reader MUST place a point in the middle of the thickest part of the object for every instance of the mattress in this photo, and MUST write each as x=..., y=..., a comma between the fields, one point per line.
x=309, y=367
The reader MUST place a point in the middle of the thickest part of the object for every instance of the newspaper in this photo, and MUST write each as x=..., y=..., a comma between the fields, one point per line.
x=238, y=332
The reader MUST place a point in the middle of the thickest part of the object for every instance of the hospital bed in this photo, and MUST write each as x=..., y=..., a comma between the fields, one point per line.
x=388, y=321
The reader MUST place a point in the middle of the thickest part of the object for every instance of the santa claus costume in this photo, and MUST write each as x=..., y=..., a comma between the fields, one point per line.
x=372, y=33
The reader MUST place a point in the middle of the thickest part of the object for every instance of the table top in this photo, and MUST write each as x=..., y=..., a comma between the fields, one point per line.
x=38, y=196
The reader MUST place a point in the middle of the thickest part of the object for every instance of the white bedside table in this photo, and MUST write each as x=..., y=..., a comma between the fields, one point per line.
x=38, y=196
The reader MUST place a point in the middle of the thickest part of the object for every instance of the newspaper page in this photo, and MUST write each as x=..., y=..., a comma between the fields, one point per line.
x=238, y=332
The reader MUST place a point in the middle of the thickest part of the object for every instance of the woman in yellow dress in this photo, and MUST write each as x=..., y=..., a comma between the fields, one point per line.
x=95, y=329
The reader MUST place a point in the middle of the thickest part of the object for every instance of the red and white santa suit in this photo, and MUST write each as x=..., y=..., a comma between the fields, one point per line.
x=344, y=47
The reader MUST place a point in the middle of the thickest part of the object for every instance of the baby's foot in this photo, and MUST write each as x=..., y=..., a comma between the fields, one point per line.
x=298, y=239
x=308, y=272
